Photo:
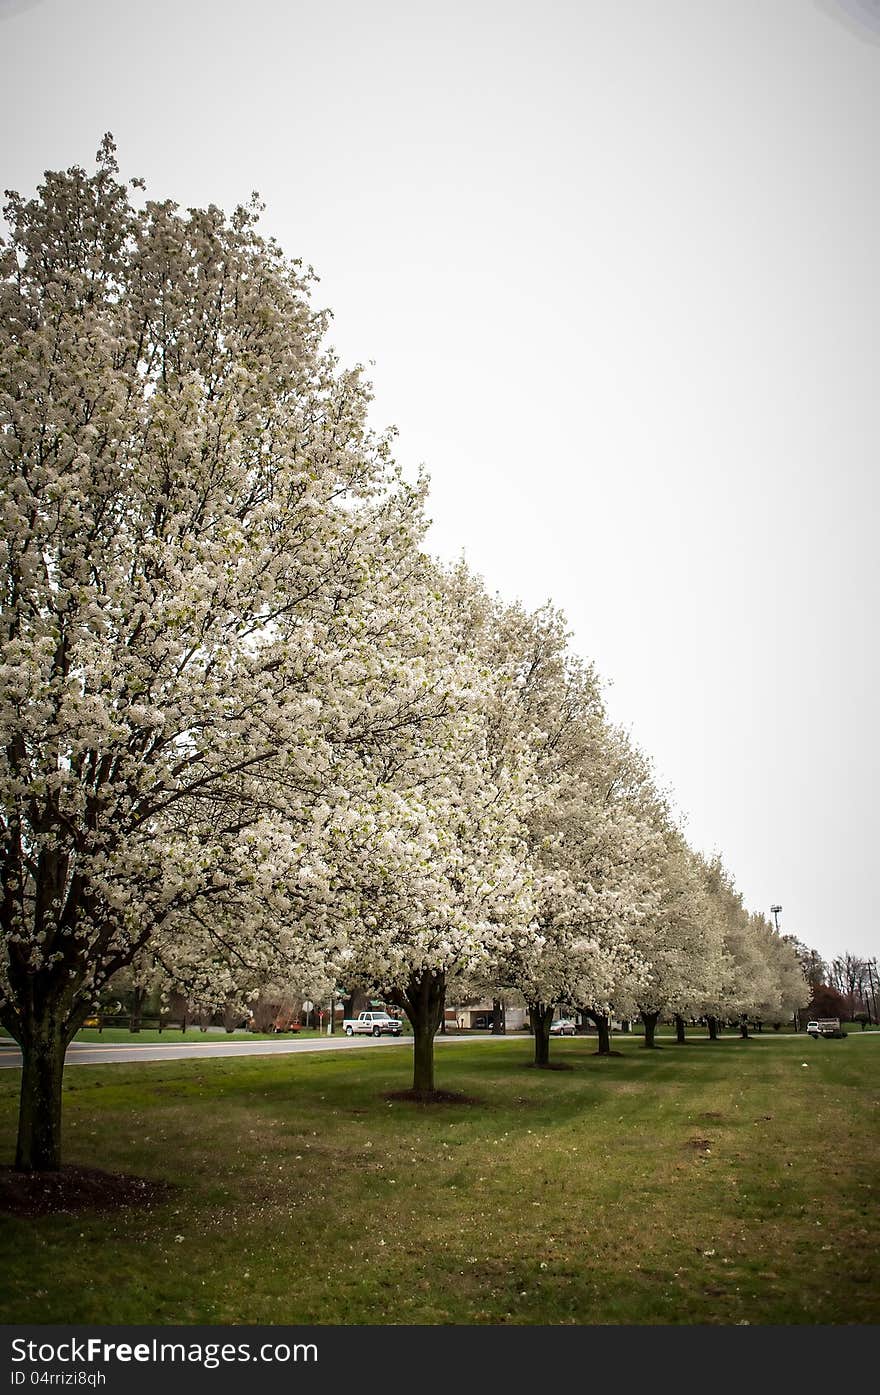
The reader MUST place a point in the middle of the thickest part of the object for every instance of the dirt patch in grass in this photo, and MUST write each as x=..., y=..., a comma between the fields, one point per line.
x=429, y=1097
x=74, y=1190
x=711, y=1117
x=550, y=1065
x=701, y=1143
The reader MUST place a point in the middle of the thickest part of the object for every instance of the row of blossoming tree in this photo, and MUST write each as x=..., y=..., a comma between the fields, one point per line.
x=250, y=729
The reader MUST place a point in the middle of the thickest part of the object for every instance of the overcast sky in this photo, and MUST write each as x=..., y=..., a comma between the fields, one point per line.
x=615, y=265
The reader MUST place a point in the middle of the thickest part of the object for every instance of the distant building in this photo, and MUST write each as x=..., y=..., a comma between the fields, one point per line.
x=478, y=1016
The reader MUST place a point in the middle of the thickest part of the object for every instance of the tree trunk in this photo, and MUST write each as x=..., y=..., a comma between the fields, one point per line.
x=712, y=1024
x=650, y=1020
x=744, y=1028
x=357, y=1001
x=603, y=1027
x=541, y=1016
x=496, y=1017
x=423, y=1058
x=39, y=1119
x=680, y=1038
x=138, y=998
x=423, y=1000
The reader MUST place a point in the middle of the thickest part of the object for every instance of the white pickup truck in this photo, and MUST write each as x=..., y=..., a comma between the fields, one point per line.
x=825, y=1027
x=372, y=1024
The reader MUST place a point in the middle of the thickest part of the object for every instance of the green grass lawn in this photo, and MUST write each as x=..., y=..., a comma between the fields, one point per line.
x=712, y=1183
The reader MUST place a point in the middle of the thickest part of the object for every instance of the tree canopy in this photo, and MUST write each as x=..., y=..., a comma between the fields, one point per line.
x=251, y=731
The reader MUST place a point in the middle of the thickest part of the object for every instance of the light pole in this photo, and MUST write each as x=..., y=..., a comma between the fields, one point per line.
x=872, y=965
x=776, y=911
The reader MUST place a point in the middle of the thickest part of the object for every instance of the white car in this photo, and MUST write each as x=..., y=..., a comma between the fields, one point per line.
x=562, y=1027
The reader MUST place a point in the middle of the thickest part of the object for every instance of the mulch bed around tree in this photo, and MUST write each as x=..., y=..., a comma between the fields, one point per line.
x=74, y=1190
x=548, y=1065
x=430, y=1097
x=607, y=1053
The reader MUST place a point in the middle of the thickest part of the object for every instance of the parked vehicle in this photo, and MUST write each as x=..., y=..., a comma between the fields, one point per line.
x=825, y=1027
x=373, y=1024
x=286, y=1022
x=562, y=1027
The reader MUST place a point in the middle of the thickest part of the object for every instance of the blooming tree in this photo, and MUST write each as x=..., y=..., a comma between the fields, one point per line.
x=746, y=977
x=433, y=873
x=789, y=990
x=588, y=836
x=196, y=524
x=685, y=942
x=613, y=846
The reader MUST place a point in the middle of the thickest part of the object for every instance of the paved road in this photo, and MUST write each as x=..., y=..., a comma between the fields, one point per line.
x=86, y=1053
